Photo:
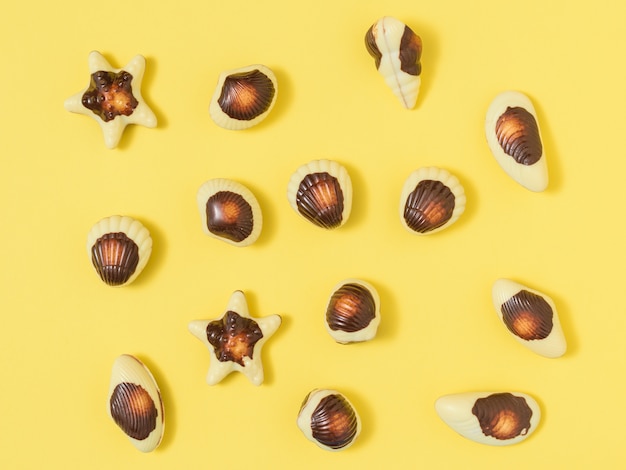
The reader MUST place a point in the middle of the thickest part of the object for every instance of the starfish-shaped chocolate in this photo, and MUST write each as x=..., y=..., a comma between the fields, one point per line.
x=113, y=97
x=235, y=340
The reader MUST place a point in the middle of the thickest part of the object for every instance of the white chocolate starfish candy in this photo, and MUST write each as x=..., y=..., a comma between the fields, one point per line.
x=113, y=97
x=235, y=340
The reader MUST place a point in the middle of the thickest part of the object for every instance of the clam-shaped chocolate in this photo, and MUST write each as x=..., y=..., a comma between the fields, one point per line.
x=229, y=212
x=321, y=192
x=514, y=138
x=119, y=248
x=243, y=97
x=431, y=200
x=493, y=418
x=353, y=311
x=327, y=418
x=530, y=316
x=397, y=51
x=135, y=403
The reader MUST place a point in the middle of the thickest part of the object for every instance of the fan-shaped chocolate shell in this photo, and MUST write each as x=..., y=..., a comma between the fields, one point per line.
x=396, y=50
x=243, y=97
x=135, y=403
x=530, y=316
x=514, y=139
x=229, y=212
x=431, y=200
x=119, y=248
x=493, y=418
x=327, y=418
x=353, y=311
x=321, y=192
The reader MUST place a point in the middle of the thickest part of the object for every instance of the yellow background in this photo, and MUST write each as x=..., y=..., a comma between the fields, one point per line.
x=62, y=327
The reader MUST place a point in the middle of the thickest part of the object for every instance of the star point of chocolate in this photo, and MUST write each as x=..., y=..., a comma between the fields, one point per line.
x=235, y=340
x=113, y=97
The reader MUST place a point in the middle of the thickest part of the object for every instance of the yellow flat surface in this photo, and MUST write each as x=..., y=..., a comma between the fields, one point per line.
x=62, y=328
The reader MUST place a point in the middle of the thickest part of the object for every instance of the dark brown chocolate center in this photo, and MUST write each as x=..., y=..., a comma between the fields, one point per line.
x=115, y=257
x=110, y=95
x=528, y=316
x=133, y=410
x=320, y=199
x=229, y=215
x=233, y=337
x=410, y=52
x=351, y=308
x=503, y=415
x=247, y=95
x=518, y=135
x=334, y=422
x=429, y=206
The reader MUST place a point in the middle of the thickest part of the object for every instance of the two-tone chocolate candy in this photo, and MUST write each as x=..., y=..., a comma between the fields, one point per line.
x=229, y=212
x=431, y=200
x=135, y=403
x=243, y=97
x=513, y=135
x=493, y=418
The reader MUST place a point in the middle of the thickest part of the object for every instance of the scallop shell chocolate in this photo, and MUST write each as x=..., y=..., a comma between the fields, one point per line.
x=321, y=192
x=514, y=138
x=397, y=50
x=432, y=199
x=135, y=403
x=492, y=418
x=229, y=212
x=353, y=312
x=329, y=420
x=119, y=248
x=530, y=316
x=243, y=97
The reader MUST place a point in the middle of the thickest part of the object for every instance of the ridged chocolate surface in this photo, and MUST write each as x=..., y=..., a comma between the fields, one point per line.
x=229, y=215
x=320, y=199
x=115, y=257
x=518, y=135
x=133, y=410
x=334, y=422
x=246, y=95
x=503, y=415
x=528, y=315
x=429, y=206
x=351, y=308
x=233, y=337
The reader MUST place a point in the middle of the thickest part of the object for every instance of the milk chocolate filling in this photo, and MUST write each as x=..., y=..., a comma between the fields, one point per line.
x=115, y=257
x=351, y=308
x=133, y=410
x=110, y=95
x=334, y=422
x=528, y=316
x=246, y=95
x=233, y=337
x=503, y=415
x=518, y=135
x=320, y=200
x=429, y=206
x=229, y=215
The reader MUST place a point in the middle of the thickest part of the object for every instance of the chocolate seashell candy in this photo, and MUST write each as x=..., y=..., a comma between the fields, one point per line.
x=119, y=248
x=329, y=420
x=530, y=316
x=514, y=138
x=431, y=200
x=492, y=418
x=243, y=97
x=229, y=212
x=353, y=312
x=396, y=50
x=321, y=192
x=135, y=403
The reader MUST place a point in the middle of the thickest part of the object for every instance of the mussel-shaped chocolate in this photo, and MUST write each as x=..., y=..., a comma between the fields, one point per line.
x=515, y=140
x=327, y=418
x=431, y=200
x=119, y=248
x=493, y=418
x=243, y=97
x=135, y=403
x=321, y=192
x=530, y=316
x=397, y=51
x=229, y=212
x=353, y=311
